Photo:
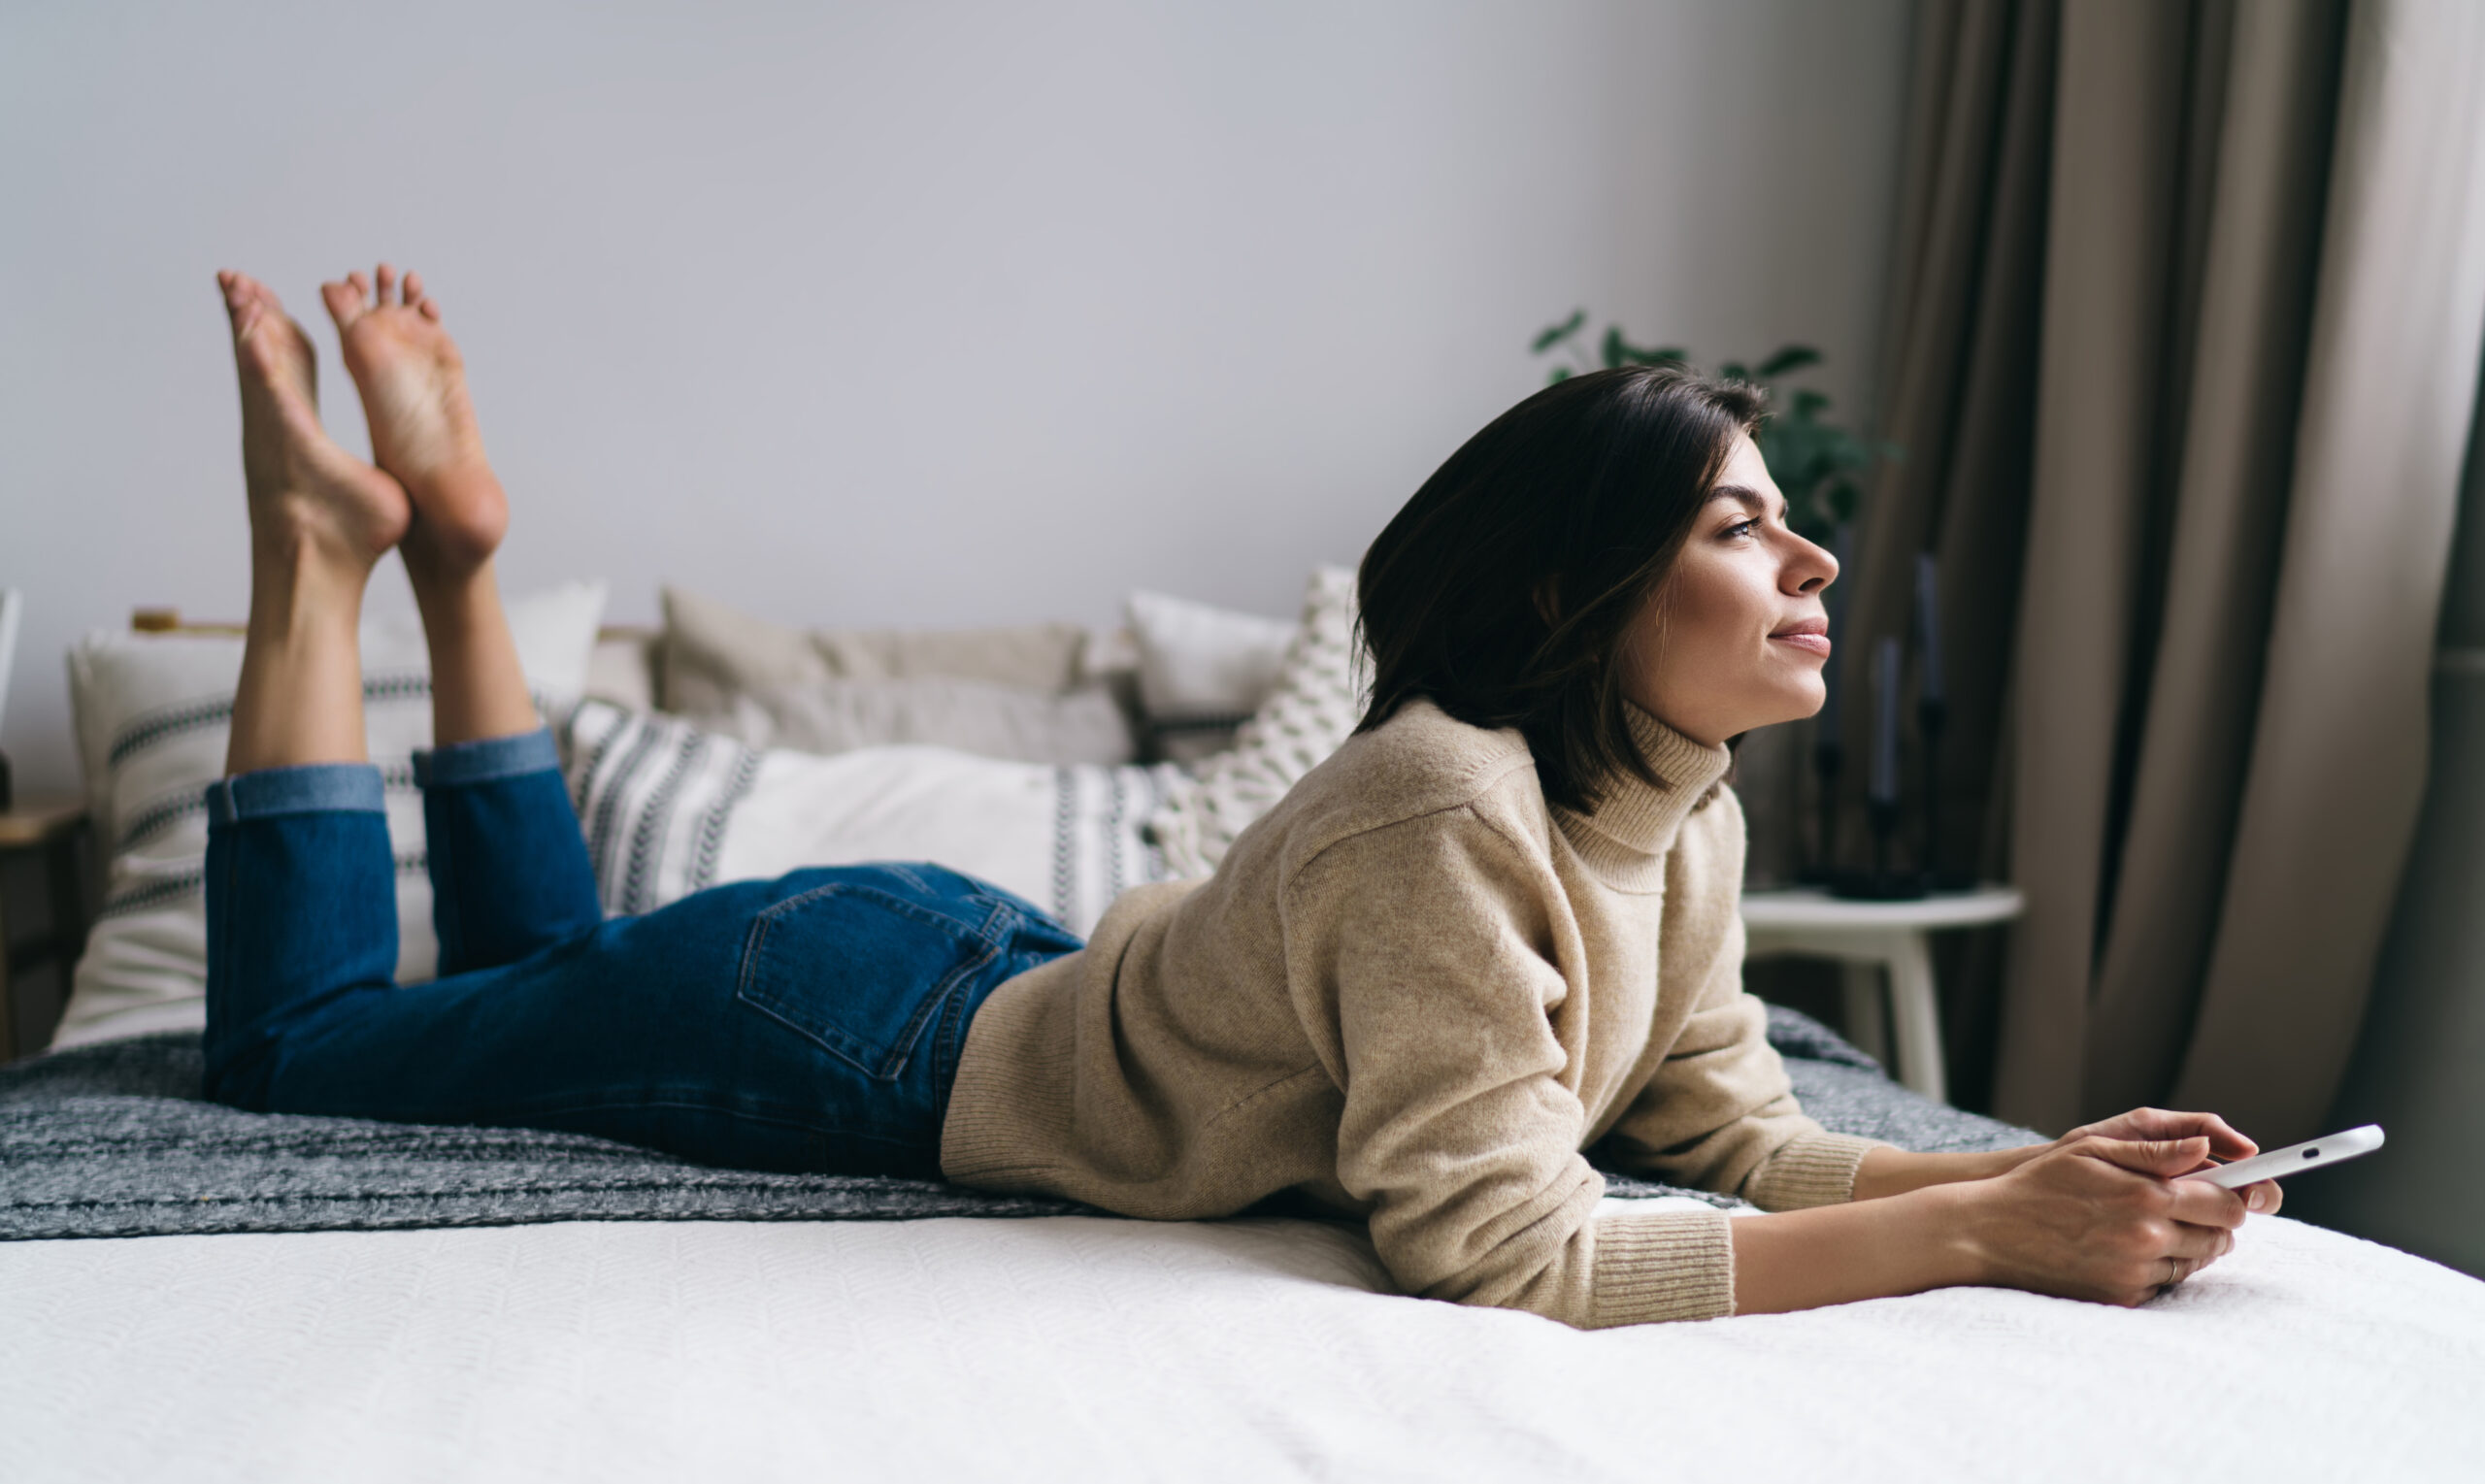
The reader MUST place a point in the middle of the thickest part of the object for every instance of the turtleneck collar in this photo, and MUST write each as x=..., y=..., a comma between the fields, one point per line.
x=1626, y=837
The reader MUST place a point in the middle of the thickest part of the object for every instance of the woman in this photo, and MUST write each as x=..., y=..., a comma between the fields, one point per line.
x=1498, y=927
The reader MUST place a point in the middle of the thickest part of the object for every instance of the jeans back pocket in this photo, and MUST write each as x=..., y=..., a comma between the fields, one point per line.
x=858, y=969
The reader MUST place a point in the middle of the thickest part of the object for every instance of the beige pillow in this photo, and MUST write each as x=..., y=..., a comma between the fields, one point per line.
x=710, y=650
x=1020, y=693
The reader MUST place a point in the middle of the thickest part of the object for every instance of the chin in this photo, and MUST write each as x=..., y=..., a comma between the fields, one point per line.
x=1791, y=703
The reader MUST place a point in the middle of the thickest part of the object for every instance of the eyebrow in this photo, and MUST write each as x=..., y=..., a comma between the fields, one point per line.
x=1747, y=496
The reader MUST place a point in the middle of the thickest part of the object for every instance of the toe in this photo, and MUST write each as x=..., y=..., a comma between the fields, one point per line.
x=361, y=286
x=413, y=290
x=344, y=300
x=386, y=277
x=429, y=309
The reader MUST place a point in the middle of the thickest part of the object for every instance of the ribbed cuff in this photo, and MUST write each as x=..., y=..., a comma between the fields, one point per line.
x=313, y=788
x=487, y=758
x=1811, y=1169
x=1659, y=1266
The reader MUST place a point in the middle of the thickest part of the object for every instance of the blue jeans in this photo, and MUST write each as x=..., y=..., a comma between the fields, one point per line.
x=808, y=1023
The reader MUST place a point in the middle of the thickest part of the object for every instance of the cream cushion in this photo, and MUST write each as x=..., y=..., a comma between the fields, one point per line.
x=1202, y=671
x=1322, y=685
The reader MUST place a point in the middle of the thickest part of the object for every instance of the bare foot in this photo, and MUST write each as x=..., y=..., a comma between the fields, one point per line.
x=422, y=425
x=302, y=485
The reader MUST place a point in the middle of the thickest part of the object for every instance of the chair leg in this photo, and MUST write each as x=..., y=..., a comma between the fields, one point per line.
x=1918, y=1017
x=1867, y=1008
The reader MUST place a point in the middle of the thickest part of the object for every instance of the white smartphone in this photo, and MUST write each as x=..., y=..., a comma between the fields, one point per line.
x=2287, y=1161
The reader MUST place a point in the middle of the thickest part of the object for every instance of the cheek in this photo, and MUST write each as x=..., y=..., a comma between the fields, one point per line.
x=1715, y=615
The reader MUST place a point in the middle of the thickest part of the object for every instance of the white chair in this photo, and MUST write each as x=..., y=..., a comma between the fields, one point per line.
x=1891, y=936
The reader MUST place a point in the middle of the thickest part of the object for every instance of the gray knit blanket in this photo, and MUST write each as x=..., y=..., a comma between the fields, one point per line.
x=113, y=1140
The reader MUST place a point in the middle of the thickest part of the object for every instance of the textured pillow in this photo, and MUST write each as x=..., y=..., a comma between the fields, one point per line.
x=710, y=650
x=1020, y=693
x=1319, y=696
x=668, y=808
x=1202, y=670
x=1000, y=721
x=153, y=713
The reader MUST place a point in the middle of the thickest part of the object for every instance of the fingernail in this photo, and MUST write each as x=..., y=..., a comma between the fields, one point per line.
x=2259, y=1200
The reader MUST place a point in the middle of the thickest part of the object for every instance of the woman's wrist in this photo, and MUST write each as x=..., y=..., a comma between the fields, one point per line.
x=1887, y=1171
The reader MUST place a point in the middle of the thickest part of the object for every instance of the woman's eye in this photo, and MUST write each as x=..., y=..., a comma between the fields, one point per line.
x=1741, y=529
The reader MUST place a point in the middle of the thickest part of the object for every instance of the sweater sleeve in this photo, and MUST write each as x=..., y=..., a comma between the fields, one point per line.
x=1719, y=1112
x=1428, y=941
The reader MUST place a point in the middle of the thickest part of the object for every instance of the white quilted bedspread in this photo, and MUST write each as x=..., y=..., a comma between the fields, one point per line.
x=1091, y=1350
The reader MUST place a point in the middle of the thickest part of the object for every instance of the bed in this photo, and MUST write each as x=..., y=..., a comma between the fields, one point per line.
x=1081, y=1346
x=284, y=1323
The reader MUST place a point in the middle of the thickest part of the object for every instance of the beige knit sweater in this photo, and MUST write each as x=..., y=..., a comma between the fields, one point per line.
x=1415, y=993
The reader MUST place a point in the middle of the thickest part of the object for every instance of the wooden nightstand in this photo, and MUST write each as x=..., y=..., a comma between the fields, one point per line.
x=47, y=871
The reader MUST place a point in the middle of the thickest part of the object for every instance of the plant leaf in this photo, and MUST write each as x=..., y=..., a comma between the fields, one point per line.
x=1560, y=374
x=1616, y=348
x=1554, y=334
x=1790, y=358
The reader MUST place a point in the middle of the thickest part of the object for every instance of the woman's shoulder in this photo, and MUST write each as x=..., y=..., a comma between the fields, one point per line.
x=1423, y=759
x=1420, y=764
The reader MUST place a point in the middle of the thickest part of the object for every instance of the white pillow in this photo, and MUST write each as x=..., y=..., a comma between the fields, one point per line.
x=153, y=713
x=1202, y=670
x=1320, y=693
x=668, y=808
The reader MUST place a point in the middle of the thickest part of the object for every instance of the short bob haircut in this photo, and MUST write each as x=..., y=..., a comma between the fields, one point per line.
x=1502, y=590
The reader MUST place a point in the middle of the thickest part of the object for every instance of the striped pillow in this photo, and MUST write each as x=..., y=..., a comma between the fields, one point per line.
x=668, y=808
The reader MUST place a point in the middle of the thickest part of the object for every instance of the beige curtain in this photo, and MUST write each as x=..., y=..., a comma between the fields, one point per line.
x=2185, y=435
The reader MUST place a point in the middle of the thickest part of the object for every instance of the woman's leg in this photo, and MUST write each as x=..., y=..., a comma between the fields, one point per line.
x=508, y=866
x=423, y=433
x=302, y=806
x=320, y=519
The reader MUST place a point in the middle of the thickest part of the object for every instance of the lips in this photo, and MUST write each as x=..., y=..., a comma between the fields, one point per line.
x=1809, y=634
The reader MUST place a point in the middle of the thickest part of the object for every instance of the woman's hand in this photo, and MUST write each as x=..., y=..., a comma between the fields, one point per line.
x=2159, y=1124
x=2100, y=1218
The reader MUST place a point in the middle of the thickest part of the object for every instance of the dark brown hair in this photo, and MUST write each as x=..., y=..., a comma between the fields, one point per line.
x=1503, y=590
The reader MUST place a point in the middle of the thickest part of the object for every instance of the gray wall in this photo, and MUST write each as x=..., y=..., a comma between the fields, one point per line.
x=913, y=313
x=2419, y=1069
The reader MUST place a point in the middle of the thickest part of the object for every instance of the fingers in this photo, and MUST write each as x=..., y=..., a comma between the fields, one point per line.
x=2262, y=1198
x=2162, y=1158
x=2157, y=1123
x=2202, y=1203
x=2198, y=1245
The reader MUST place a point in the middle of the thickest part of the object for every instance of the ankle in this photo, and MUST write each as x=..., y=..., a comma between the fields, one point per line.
x=295, y=575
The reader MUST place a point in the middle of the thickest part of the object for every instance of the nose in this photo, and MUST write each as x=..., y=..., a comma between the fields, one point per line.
x=1809, y=569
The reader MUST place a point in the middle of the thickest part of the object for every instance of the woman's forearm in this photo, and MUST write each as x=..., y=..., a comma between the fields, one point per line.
x=1838, y=1254
x=1888, y=1172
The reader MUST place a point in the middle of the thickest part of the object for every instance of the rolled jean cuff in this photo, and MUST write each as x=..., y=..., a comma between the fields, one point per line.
x=487, y=758
x=314, y=788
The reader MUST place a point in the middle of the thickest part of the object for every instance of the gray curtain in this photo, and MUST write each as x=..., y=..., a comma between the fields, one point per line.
x=2185, y=325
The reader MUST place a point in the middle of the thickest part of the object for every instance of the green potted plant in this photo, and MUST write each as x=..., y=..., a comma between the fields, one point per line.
x=1819, y=465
